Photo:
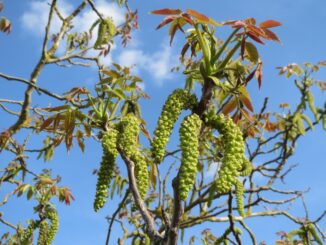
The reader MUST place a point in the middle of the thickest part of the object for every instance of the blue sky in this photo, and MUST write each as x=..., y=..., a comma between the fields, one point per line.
x=303, y=38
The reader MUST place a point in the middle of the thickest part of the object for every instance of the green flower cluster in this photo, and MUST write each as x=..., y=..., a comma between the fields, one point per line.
x=239, y=190
x=179, y=100
x=189, y=132
x=28, y=233
x=128, y=140
x=234, y=162
x=43, y=233
x=106, y=31
x=105, y=174
x=53, y=216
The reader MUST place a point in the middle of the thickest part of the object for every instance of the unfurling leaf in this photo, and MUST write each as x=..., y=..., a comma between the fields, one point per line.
x=269, y=24
x=251, y=52
x=166, y=11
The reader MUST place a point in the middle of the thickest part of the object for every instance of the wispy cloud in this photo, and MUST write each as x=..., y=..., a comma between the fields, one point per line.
x=35, y=17
x=157, y=64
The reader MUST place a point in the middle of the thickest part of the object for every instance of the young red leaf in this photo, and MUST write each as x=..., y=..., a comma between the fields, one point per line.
x=166, y=11
x=250, y=21
x=198, y=16
x=243, y=47
x=256, y=30
x=271, y=35
x=229, y=22
x=246, y=101
x=165, y=21
x=187, y=18
x=245, y=113
x=230, y=106
x=254, y=37
x=270, y=24
x=239, y=24
x=250, y=76
x=245, y=98
x=259, y=74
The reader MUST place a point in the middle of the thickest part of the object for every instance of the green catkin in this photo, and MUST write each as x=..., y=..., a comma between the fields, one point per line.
x=106, y=31
x=234, y=161
x=179, y=100
x=128, y=140
x=314, y=234
x=246, y=167
x=222, y=238
x=43, y=233
x=106, y=170
x=189, y=131
x=53, y=217
x=239, y=195
x=28, y=233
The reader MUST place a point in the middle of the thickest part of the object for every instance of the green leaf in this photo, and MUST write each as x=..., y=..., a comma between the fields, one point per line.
x=251, y=52
x=308, y=121
x=117, y=92
x=216, y=81
x=299, y=123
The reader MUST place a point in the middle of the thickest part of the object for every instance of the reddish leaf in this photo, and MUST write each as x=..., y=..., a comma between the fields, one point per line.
x=184, y=50
x=243, y=47
x=173, y=31
x=250, y=76
x=254, y=37
x=250, y=21
x=246, y=101
x=229, y=22
x=230, y=106
x=258, y=31
x=187, y=18
x=46, y=123
x=259, y=74
x=166, y=11
x=272, y=36
x=239, y=24
x=245, y=113
x=57, y=108
x=198, y=16
x=270, y=24
x=165, y=21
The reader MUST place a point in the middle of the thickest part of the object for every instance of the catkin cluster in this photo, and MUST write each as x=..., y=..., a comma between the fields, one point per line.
x=43, y=233
x=53, y=217
x=106, y=170
x=106, y=31
x=239, y=190
x=128, y=140
x=28, y=233
x=234, y=162
x=189, y=131
x=179, y=100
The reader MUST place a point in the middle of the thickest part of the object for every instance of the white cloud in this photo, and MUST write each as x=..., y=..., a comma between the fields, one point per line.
x=36, y=17
x=157, y=64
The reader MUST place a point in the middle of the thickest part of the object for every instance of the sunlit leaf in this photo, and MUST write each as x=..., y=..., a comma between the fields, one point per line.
x=229, y=107
x=271, y=35
x=269, y=24
x=166, y=21
x=166, y=11
x=198, y=16
x=251, y=52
